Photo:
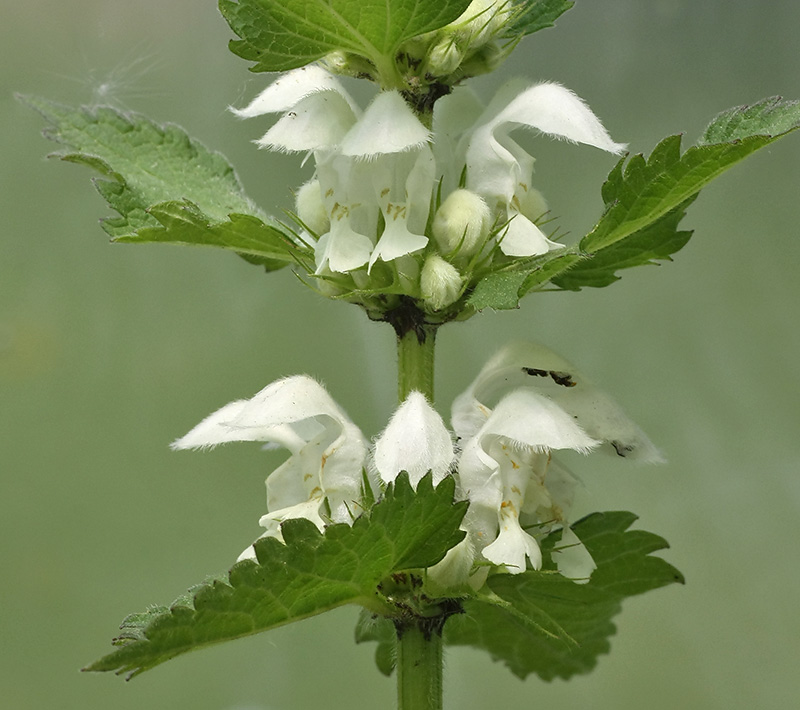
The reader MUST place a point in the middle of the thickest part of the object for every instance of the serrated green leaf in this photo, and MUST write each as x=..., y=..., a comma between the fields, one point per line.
x=499, y=290
x=656, y=242
x=502, y=290
x=535, y=15
x=645, y=191
x=771, y=116
x=284, y=34
x=540, y=622
x=165, y=186
x=309, y=574
x=248, y=236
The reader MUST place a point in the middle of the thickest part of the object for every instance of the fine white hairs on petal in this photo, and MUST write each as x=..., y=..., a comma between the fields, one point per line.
x=387, y=126
x=557, y=111
x=318, y=121
x=288, y=90
x=527, y=419
x=522, y=237
x=215, y=429
x=415, y=440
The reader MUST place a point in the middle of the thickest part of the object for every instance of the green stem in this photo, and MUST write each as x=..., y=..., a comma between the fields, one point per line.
x=419, y=640
x=419, y=667
x=415, y=350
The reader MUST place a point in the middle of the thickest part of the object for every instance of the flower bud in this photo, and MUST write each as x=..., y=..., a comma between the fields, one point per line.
x=310, y=207
x=461, y=223
x=444, y=58
x=485, y=19
x=440, y=283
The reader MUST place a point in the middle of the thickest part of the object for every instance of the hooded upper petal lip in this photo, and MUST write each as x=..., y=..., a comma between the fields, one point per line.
x=328, y=452
x=289, y=89
x=416, y=441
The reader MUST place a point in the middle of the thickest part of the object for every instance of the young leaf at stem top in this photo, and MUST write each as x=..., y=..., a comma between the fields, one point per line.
x=285, y=34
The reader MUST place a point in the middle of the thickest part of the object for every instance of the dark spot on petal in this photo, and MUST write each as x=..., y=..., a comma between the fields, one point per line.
x=621, y=449
x=560, y=378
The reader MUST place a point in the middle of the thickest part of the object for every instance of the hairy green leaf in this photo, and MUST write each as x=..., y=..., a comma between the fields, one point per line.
x=499, y=290
x=645, y=190
x=165, y=186
x=309, y=574
x=535, y=15
x=284, y=34
x=502, y=290
x=646, y=199
x=542, y=623
x=772, y=116
x=654, y=243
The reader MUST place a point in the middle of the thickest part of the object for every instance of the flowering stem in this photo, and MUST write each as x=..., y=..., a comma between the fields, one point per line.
x=415, y=349
x=419, y=666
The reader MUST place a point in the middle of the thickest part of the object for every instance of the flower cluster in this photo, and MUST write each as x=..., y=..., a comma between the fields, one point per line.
x=396, y=206
x=525, y=403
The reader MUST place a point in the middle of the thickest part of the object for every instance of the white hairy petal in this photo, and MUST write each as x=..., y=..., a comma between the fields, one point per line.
x=415, y=440
x=521, y=237
x=289, y=89
x=522, y=364
x=558, y=112
x=512, y=546
x=342, y=249
x=387, y=126
x=318, y=121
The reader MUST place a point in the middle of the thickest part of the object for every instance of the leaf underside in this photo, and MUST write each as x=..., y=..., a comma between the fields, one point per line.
x=309, y=574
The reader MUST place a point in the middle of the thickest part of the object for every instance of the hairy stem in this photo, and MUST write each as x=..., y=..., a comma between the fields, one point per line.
x=415, y=360
x=419, y=667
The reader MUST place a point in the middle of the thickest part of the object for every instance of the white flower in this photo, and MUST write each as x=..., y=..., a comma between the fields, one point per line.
x=502, y=471
x=524, y=364
x=380, y=170
x=524, y=404
x=322, y=479
x=416, y=441
x=498, y=169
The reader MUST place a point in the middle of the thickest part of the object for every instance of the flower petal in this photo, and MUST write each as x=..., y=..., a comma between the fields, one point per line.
x=289, y=89
x=415, y=440
x=215, y=430
x=522, y=364
x=396, y=241
x=318, y=121
x=387, y=126
x=525, y=418
x=512, y=546
x=523, y=238
x=496, y=165
x=342, y=249
x=558, y=112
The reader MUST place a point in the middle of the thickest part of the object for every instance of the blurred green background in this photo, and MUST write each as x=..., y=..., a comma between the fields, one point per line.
x=107, y=353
